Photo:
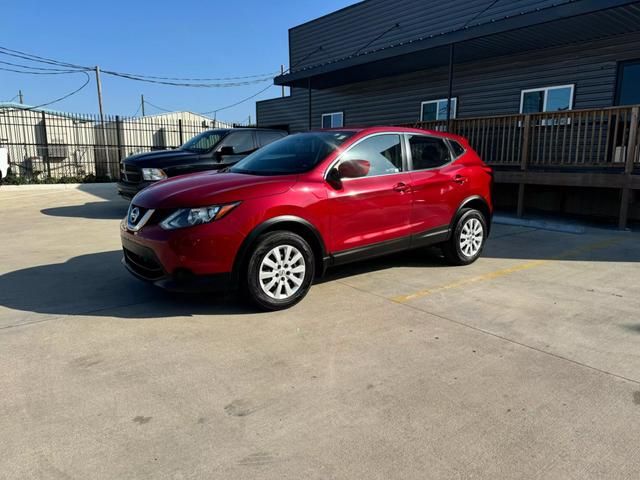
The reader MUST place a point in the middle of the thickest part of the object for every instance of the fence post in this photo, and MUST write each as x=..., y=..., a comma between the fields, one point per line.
x=524, y=159
x=45, y=140
x=628, y=168
x=180, y=130
x=118, y=140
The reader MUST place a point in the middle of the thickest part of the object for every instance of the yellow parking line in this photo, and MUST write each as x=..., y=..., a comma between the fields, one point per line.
x=508, y=271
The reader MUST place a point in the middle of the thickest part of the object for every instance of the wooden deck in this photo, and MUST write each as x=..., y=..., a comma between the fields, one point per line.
x=578, y=148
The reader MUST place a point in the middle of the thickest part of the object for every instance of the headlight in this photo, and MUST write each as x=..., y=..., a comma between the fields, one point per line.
x=190, y=217
x=153, y=174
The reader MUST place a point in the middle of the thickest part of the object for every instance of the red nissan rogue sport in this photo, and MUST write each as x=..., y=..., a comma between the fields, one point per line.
x=280, y=217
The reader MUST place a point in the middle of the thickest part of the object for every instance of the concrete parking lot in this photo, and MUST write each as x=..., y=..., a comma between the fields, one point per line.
x=523, y=365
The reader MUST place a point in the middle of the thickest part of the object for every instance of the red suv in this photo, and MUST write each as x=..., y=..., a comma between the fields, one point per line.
x=280, y=217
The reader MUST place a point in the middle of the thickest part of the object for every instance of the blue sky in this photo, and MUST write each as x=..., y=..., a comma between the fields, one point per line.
x=184, y=38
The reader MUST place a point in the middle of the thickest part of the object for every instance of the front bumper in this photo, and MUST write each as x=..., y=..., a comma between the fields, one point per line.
x=143, y=263
x=129, y=190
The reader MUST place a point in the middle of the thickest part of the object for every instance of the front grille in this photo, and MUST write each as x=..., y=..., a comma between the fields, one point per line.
x=130, y=174
x=147, y=266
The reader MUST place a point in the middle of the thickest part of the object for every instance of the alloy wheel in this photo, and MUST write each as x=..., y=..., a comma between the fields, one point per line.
x=471, y=237
x=282, y=272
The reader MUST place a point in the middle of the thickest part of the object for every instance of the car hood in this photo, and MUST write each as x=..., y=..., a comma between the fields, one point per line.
x=159, y=159
x=210, y=188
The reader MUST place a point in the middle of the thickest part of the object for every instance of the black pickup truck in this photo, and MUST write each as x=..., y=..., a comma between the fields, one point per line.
x=210, y=150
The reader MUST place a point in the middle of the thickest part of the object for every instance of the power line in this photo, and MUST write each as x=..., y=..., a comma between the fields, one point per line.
x=185, y=84
x=480, y=13
x=37, y=58
x=393, y=27
x=64, y=97
x=171, y=81
x=62, y=72
x=147, y=102
x=259, y=75
x=29, y=67
x=239, y=102
x=9, y=101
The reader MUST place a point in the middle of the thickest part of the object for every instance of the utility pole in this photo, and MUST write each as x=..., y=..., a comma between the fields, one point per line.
x=282, y=73
x=104, y=131
x=20, y=97
x=142, y=103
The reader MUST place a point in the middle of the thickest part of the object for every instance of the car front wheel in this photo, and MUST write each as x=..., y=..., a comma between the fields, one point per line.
x=468, y=238
x=280, y=270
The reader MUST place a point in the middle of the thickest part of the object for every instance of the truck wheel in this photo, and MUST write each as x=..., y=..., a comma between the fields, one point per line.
x=280, y=270
x=468, y=238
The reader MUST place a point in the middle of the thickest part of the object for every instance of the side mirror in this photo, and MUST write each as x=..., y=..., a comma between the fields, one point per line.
x=354, y=168
x=225, y=151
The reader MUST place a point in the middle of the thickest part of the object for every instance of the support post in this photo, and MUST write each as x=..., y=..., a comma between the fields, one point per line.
x=142, y=103
x=310, y=105
x=102, y=125
x=118, y=139
x=524, y=159
x=625, y=196
x=180, y=130
x=45, y=141
x=450, y=90
x=20, y=97
x=282, y=73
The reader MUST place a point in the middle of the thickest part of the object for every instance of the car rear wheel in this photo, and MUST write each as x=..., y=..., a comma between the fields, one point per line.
x=468, y=238
x=280, y=270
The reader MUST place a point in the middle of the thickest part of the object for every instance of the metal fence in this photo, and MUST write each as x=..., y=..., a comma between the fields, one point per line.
x=46, y=146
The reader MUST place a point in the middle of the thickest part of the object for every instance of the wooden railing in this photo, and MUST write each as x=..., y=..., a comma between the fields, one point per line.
x=606, y=137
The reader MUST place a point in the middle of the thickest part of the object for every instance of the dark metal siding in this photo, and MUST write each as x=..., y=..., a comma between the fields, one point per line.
x=344, y=32
x=488, y=87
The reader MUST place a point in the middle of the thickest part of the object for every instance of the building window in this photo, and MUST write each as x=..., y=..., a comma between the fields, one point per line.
x=628, y=92
x=547, y=99
x=437, y=110
x=333, y=120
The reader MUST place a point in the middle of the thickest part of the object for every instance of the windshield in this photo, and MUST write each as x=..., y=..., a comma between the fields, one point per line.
x=204, y=142
x=293, y=154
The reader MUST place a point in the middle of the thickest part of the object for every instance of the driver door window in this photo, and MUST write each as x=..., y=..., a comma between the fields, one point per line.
x=243, y=143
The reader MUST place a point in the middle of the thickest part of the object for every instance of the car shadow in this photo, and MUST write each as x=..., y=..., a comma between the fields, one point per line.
x=98, y=285
x=112, y=210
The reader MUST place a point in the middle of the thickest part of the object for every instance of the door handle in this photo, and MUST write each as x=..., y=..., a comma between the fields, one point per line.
x=401, y=187
x=460, y=179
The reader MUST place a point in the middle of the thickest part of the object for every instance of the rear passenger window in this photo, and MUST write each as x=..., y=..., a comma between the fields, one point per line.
x=428, y=152
x=457, y=148
x=265, y=138
x=383, y=152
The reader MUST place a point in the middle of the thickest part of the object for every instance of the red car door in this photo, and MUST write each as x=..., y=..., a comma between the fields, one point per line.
x=373, y=210
x=439, y=184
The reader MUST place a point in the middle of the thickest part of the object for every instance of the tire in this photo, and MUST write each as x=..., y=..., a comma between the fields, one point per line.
x=468, y=238
x=280, y=270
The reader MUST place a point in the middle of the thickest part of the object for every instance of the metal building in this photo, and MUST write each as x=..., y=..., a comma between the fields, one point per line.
x=567, y=70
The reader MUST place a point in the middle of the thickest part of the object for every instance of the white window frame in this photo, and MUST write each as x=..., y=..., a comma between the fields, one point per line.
x=332, y=118
x=454, y=110
x=572, y=86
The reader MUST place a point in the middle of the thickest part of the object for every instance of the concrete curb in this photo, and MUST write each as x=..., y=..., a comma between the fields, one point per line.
x=539, y=224
x=57, y=186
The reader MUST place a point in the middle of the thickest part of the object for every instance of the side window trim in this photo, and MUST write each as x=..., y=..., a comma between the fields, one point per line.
x=405, y=155
x=452, y=157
